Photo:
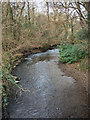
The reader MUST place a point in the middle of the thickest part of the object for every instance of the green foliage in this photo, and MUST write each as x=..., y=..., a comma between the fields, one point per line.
x=7, y=80
x=82, y=34
x=58, y=46
x=71, y=53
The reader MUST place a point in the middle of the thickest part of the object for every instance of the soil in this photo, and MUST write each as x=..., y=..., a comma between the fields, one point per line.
x=72, y=70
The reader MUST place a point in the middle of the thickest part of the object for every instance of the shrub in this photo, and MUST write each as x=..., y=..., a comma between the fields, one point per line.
x=72, y=53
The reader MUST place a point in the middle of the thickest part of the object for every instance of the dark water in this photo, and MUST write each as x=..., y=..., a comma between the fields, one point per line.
x=48, y=92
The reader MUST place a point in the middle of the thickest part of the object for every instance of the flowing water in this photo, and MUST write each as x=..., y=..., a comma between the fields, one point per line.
x=49, y=93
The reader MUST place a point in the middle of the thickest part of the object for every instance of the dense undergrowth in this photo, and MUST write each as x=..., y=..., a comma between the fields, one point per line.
x=7, y=79
x=72, y=53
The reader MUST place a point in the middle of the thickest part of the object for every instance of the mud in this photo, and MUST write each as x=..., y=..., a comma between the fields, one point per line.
x=71, y=70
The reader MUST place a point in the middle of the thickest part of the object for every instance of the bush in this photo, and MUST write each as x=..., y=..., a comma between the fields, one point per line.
x=72, y=53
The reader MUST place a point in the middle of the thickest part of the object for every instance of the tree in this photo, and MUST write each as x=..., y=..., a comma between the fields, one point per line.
x=29, y=20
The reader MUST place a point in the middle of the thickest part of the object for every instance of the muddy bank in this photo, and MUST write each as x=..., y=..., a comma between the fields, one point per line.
x=71, y=70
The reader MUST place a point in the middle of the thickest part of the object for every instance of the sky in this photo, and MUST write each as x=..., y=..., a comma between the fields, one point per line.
x=40, y=4
x=44, y=0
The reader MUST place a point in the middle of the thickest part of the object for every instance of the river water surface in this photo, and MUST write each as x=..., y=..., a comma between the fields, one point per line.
x=49, y=93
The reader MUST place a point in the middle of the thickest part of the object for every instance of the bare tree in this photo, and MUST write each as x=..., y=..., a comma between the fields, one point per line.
x=29, y=19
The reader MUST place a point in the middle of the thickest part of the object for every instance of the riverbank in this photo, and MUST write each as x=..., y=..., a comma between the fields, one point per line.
x=22, y=53
x=73, y=71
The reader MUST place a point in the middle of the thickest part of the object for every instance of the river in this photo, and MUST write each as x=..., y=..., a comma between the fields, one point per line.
x=48, y=93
